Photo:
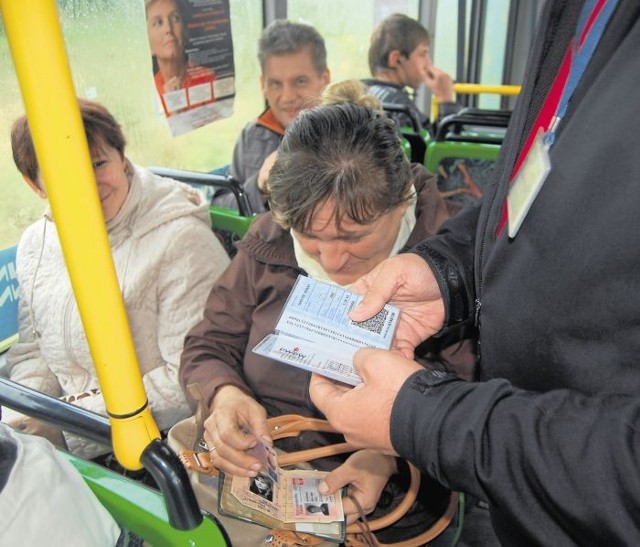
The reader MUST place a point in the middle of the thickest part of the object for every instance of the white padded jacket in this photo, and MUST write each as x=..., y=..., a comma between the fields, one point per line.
x=167, y=259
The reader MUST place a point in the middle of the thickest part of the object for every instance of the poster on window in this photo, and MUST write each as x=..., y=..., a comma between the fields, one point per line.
x=192, y=56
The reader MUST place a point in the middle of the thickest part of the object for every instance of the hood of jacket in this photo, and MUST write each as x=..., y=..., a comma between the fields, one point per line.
x=152, y=201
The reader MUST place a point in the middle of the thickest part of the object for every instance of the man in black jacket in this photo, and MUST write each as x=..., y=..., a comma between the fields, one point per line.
x=549, y=270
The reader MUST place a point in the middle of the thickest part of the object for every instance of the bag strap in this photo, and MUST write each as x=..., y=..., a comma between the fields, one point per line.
x=291, y=425
x=367, y=536
x=291, y=538
x=288, y=425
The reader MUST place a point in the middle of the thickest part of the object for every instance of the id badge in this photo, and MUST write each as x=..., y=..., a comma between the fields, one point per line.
x=527, y=184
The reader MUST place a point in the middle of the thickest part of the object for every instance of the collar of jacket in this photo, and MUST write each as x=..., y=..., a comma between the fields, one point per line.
x=269, y=243
x=119, y=227
x=370, y=82
x=268, y=120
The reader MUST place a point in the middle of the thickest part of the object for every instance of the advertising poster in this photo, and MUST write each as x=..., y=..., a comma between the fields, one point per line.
x=192, y=56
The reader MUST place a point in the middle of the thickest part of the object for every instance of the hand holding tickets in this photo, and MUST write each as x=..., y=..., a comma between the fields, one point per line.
x=315, y=333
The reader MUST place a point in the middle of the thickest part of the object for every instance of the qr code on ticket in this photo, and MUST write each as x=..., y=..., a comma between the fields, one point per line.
x=375, y=323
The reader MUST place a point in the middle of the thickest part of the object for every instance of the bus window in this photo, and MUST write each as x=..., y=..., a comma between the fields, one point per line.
x=347, y=36
x=109, y=55
x=108, y=50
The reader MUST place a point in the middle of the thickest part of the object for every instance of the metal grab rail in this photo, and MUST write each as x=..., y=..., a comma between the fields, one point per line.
x=163, y=464
x=476, y=89
x=482, y=88
x=226, y=182
x=474, y=125
x=59, y=413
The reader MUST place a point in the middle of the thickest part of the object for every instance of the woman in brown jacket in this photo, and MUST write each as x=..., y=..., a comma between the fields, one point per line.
x=343, y=197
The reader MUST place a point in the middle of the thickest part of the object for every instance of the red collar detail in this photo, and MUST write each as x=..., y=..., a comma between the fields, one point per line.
x=268, y=120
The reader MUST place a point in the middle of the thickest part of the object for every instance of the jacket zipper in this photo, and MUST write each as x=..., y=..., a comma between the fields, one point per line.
x=478, y=300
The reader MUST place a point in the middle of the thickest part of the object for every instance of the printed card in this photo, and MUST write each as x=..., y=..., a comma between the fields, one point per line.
x=314, y=331
x=294, y=499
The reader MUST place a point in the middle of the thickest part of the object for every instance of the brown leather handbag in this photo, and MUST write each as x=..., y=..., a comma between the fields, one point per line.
x=360, y=533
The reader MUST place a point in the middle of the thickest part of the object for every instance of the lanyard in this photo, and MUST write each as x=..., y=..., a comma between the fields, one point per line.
x=593, y=19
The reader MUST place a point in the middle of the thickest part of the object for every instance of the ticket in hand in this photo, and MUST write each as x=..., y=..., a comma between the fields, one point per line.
x=315, y=333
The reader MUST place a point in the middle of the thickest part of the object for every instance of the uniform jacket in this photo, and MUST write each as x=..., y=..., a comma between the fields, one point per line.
x=257, y=140
x=166, y=259
x=550, y=438
x=244, y=305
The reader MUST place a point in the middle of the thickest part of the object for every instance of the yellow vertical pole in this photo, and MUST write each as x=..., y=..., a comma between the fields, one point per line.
x=40, y=59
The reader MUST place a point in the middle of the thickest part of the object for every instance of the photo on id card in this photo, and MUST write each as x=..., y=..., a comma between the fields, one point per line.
x=279, y=498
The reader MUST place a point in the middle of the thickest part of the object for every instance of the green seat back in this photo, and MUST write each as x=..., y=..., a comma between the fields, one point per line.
x=142, y=510
x=229, y=220
x=438, y=151
x=230, y=226
x=463, y=169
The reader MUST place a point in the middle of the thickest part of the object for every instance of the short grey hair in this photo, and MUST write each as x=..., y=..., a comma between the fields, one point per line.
x=282, y=37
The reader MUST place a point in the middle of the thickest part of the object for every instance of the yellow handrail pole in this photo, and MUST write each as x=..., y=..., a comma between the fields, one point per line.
x=40, y=59
x=476, y=89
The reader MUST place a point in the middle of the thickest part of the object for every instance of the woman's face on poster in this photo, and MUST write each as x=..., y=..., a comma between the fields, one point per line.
x=165, y=27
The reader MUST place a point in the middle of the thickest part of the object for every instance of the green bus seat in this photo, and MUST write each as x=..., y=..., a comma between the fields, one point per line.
x=406, y=147
x=437, y=152
x=142, y=510
x=230, y=220
x=463, y=152
x=230, y=225
x=463, y=169
x=417, y=137
x=166, y=517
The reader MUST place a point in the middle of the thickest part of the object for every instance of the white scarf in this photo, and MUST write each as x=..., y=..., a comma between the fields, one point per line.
x=313, y=267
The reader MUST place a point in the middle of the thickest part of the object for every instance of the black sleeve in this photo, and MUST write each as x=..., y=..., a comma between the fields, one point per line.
x=450, y=256
x=557, y=468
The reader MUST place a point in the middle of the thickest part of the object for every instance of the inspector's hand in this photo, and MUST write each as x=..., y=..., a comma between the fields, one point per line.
x=365, y=472
x=406, y=281
x=236, y=423
x=26, y=424
x=363, y=413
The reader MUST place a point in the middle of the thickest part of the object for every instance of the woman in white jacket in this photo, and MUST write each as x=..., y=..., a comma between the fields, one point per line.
x=166, y=258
